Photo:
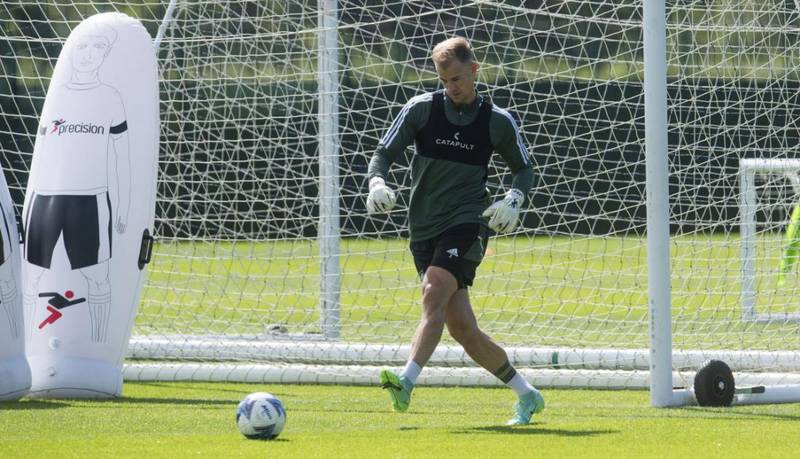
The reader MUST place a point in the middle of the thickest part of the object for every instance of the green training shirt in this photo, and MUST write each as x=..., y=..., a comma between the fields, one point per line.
x=448, y=179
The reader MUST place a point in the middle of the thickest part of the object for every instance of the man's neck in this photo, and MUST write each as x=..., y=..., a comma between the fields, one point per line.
x=465, y=106
x=85, y=78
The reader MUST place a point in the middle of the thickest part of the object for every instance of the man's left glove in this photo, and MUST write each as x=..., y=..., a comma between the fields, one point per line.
x=504, y=215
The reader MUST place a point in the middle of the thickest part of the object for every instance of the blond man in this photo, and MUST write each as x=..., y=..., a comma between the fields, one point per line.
x=455, y=131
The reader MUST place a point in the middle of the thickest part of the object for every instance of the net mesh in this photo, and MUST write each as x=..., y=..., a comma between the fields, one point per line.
x=238, y=198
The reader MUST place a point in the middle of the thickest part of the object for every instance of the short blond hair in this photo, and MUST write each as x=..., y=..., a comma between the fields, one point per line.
x=456, y=48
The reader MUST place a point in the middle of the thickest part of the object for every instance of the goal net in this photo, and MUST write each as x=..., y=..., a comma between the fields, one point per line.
x=267, y=267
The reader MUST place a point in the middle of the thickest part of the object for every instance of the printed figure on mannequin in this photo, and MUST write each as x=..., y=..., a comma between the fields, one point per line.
x=82, y=208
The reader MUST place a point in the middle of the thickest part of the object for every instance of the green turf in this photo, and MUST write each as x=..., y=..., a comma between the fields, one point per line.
x=197, y=420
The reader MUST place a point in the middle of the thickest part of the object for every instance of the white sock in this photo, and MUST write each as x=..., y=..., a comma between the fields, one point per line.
x=29, y=303
x=411, y=371
x=520, y=385
x=99, y=314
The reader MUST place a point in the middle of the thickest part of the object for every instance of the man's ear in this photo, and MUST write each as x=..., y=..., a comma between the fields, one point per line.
x=109, y=47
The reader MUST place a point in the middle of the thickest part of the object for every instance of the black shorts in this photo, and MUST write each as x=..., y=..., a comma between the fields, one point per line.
x=85, y=222
x=459, y=250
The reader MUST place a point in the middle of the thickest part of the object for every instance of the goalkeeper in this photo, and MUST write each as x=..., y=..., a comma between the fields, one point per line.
x=455, y=131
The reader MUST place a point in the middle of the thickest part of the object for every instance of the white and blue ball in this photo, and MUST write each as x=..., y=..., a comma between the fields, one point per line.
x=260, y=416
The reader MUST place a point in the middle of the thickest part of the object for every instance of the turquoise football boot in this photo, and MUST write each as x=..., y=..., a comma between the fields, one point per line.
x=528, y=405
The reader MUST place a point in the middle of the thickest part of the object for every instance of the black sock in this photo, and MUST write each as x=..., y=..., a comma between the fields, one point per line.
x=505, y=373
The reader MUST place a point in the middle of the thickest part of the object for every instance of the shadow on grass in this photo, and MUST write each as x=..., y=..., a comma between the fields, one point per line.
x=536, y=429
x=34, y=405
x=29, y=404
x=728, y=413
x=264, y=440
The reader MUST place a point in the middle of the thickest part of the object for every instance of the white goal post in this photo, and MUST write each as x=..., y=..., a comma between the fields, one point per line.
x=787, y=169
x=651, y=233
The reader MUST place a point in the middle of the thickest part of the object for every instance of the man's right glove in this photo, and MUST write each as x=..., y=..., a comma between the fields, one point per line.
x=504, y=215
x=381, y=198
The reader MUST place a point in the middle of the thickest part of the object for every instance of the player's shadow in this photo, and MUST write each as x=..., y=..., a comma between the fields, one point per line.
x=28, y=404
x=537, y=429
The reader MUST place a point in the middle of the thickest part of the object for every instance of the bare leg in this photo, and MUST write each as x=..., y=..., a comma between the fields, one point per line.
x=438, y=286
x=463, y=327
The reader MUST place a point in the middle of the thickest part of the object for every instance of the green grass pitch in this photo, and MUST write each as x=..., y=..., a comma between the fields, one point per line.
x=556, y=291
x=197, y=420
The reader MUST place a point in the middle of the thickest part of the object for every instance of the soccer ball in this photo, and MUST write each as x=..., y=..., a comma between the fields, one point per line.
x=260, y=416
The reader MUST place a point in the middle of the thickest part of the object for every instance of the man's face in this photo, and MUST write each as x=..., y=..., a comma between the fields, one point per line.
x=458, y=79
x=89, y=53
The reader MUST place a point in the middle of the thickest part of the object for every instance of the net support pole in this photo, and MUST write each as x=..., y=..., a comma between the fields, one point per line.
x=657, y=185
x=747, y=231
x=166, y=22
x=328, y=90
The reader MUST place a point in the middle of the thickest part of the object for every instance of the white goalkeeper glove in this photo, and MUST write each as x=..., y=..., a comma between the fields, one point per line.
x=504, y=215
x=381, y=198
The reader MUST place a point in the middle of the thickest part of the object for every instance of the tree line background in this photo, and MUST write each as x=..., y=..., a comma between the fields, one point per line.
x=239, y=136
